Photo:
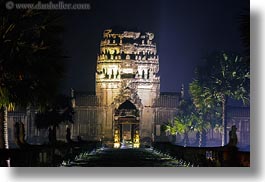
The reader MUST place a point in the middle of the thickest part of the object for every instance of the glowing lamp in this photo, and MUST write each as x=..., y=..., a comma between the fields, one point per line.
x=116, y=145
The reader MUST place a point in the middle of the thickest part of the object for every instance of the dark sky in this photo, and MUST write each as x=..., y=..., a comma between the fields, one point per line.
x=185, y=30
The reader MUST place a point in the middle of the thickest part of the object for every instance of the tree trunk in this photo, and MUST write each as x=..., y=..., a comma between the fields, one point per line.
x=186, y=140
x=197, y=142
x=224, y=120
x=212, y=132
x=4, y=135
x=54, y=138
x=203, y=138
x=22, y=133
x=3, y=128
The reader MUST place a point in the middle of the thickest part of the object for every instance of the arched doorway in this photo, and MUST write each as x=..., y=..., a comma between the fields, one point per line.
x=126, y=126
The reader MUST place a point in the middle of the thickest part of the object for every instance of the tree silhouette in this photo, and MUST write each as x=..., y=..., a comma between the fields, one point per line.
x=31, y=59
x=59, y=111
x=207, y=113
x=189, y=119
x=224, y=75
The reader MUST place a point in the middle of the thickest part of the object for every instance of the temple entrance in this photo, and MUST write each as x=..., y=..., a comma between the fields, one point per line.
x=126, y=132
x=126, y=126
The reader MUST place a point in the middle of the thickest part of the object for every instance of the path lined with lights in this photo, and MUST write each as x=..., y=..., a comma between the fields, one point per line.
x=107, y=157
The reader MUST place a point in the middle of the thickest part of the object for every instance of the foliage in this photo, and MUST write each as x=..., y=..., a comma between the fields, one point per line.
x=31, y=60
x=199, y=123
x=179, y=125
x=59, y=111
x=188, y=119
x=207, y=108
x=224, y=75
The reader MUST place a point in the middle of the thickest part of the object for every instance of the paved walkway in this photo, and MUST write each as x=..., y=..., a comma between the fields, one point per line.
x=123, y=158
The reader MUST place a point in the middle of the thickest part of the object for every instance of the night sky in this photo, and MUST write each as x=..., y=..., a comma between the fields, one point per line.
x=185, y=30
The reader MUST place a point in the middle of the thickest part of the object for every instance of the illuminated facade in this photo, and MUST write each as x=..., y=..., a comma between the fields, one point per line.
x=127, y=105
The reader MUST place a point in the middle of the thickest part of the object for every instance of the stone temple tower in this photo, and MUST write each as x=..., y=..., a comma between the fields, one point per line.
x=127, y=86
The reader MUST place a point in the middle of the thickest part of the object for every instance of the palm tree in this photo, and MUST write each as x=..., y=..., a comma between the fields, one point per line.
x=180, y=125
x=31, y=61
x=201, y=126
x=3, y=129
x=223, y=76
x=207, y=109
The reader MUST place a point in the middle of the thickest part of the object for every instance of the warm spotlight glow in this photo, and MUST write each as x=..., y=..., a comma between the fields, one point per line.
x=136, y=143
x=116, y=138
x=116, y=145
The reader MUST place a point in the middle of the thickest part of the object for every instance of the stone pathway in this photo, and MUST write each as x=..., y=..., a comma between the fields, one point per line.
x=108, y=157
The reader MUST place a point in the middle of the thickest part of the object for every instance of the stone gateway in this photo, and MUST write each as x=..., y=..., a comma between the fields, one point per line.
x=127, y=107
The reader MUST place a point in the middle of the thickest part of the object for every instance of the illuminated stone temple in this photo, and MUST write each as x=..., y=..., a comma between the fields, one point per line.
x=128, y=105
